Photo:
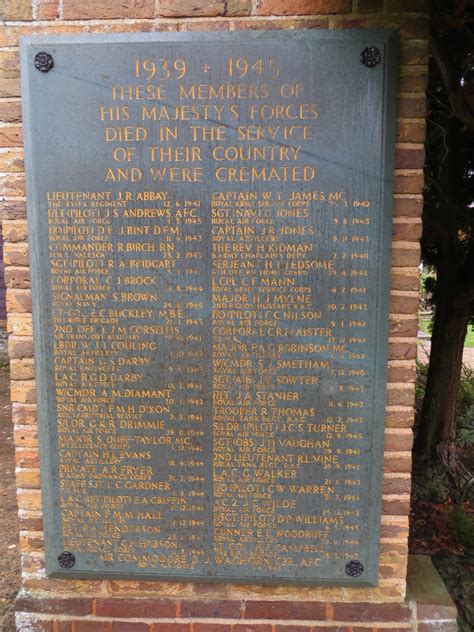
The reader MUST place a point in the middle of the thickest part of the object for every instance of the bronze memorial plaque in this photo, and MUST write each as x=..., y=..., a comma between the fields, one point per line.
x=209, y=220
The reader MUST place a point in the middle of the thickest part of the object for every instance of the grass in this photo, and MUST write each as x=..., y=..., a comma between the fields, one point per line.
x=469, y=342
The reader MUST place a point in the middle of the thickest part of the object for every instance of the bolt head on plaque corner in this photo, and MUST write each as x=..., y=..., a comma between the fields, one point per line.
x=354, y=568
x=43, y=61
x=370, y=56
x=66, y=559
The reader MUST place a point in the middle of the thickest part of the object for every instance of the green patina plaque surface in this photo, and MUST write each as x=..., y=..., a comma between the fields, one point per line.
x=209, y=226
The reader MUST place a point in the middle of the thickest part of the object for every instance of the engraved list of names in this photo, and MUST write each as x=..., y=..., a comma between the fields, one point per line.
x=209, y=231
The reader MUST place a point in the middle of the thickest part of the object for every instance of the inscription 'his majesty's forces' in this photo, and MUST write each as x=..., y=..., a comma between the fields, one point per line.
x=209, y=223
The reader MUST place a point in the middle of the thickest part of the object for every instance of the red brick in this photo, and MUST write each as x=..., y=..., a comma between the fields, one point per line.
x=368, y=612
x=285, y=610
x=11, y=136
x=406, y=231
x=405, y=257
x=402, y=327
x=117, y=607
x=194, y=25
x=30, y=544
x=27, y=458
x=31, y=564
x=395, y=507
x=9, y=87
x=16, y=10
x=369, y=6
x=298, y=628
x=12, y=209
x=409, y=183
x=12, y=185
x=253, y=627
x=303, y=7
x=107, y=9
x=128, y=626
x=211, y=627
x=20, y=347
x=62, y=626
x=400, y=396
x=30, y=523
x=288, y=23
x=401, y=281
x=235, y=8
x=409, y=158
x=187, y=8
x=397, y=486
x=404, y=304
x=394, y=549
x=48, y=9
x=16, y=255
x=395, y=569
x=23, y=413
x=397, y=464
x=415, y=28
x=9, y=64
x=10, y=111
x=407, y=207
x=292, y=628
x=315, y=628
x=25, y=392
x=12, y=161
x=408, y=28
x=411, y=106
x=26, y=437
x=402, y=351
x=402, y=373
x=92, y=626
x=399, y=418
x=393, y=531
x=413, y=81
x=398, y=442
x=17, y=277
x=415, y=53
x=211, y=609
x=73, y=606
x=171, y=627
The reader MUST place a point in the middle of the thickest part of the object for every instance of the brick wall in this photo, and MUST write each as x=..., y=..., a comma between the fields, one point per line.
x=183, y=607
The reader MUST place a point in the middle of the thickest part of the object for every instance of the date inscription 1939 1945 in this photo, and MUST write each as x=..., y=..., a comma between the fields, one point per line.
x=209, y=229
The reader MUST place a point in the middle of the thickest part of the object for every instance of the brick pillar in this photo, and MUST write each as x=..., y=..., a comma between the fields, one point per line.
x=91, y=605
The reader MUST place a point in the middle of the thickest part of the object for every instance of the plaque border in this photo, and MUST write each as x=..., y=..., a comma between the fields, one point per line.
x=388, y=41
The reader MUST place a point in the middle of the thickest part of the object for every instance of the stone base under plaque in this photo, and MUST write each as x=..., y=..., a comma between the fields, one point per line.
x=428, y=608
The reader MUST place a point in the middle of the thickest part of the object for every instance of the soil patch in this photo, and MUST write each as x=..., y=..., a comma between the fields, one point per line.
x=9, y=554
x=430, y=534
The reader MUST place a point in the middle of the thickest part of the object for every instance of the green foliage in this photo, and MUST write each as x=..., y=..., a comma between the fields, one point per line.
x=426, y=325
x=465, y=403
x=420, y=385
x=469, y=342
x=461, y=525
x=427, y=287
x=465, y=409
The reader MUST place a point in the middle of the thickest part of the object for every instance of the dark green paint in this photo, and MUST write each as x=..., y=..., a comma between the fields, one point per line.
x=353, y=151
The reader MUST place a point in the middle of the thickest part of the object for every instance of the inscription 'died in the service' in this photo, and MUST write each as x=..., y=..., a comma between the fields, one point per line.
x=209, y=267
